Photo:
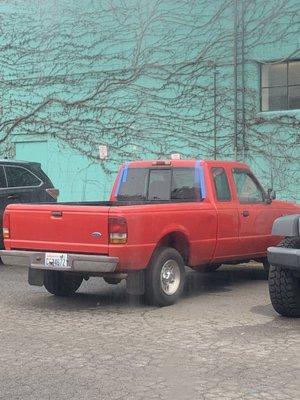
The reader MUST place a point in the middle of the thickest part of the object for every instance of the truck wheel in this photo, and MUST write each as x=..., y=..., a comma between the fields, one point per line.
x=164, y=277
x=60, y=283
x=284, y=286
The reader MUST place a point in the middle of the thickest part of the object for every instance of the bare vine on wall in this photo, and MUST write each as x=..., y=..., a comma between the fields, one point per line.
x=138, y=75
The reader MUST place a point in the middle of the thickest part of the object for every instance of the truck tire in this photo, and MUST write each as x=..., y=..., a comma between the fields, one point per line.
x=164, y=277
x=284, y=286
x=60, y=283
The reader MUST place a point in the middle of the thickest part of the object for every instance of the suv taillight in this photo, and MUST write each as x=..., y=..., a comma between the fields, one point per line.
x=117, y=228
x=54, y=193
x=6, y=224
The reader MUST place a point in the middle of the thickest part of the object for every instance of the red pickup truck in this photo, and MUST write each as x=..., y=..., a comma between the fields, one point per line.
x=162, y=215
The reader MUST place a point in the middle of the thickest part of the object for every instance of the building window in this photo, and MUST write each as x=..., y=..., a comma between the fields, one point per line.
x=280, y=86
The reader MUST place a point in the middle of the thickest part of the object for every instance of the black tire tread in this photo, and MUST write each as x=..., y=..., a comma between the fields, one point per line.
x=284, y=287
x=61, y=284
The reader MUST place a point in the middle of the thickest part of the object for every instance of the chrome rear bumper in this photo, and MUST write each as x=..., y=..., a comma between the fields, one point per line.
x=85, y=263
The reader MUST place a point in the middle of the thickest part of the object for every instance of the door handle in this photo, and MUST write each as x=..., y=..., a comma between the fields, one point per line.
x=13, y=197
x=245, y=213
x=56, y=214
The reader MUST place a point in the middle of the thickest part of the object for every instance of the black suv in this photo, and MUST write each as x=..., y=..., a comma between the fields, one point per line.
x=23, y=182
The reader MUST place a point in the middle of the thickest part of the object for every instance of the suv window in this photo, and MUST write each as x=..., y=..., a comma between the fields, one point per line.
x=20, y=177
x=248, y=189
x=3, y=183
x=221, y=184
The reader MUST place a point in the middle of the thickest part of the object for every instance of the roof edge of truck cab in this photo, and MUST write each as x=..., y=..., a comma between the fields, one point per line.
x=181, y=163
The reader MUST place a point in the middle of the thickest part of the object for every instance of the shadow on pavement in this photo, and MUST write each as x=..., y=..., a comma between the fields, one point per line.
x=97, y=294
x=222, y=279
x=265, y=310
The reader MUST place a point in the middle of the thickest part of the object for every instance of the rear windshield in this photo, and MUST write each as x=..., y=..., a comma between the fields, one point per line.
x=159, y=184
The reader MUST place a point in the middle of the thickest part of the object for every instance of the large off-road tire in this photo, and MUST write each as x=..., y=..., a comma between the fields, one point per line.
x=61, y=283
x=284, y=285
x=164, y=277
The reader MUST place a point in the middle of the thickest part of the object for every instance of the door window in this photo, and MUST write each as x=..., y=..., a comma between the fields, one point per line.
x=221, y=184
x=3, y=184
x=248, y=189
x=20, y=177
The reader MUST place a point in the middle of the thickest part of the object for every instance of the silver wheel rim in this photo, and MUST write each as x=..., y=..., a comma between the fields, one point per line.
x=170, y=277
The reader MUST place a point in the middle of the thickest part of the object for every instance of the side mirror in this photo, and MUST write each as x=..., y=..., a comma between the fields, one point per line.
x=271, y=195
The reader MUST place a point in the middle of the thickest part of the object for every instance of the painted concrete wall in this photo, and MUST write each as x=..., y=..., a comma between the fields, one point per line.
x=138, y=76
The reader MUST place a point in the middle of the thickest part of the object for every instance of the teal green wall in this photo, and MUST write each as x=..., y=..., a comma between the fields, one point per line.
x=138, y=76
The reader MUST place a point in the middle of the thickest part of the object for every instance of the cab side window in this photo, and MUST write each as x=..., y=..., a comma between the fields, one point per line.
x=248, y=189
x=20, y=177
x=221, y=184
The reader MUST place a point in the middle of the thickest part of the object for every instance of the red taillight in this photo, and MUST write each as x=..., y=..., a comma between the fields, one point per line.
x=54, y=193
x=6, y=221
x=117, y=227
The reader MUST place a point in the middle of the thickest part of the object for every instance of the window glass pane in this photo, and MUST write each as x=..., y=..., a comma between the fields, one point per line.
x=134, y=185
x=274, y=99
x=159, y=184
x=248, y=190
x=221, y=184
x=294, y=73
x=2, y=178
x=183, y=184
x=18, y=177
x=294, y=97
x=274, y=75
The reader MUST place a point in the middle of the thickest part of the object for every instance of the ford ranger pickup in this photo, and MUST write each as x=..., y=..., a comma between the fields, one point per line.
x=161, y=217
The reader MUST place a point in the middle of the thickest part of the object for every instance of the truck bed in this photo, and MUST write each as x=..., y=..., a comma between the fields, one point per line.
x=57, y=226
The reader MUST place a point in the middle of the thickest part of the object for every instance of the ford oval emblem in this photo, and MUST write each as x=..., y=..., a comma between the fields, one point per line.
x=96, y=234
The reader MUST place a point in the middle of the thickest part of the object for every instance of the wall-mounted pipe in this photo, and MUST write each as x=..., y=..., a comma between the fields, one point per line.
x=235, y=84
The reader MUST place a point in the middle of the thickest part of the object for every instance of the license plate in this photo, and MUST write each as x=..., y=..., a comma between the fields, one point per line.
x=56, y=260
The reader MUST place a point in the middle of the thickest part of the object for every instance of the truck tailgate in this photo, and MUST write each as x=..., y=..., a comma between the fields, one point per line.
x=69, y=228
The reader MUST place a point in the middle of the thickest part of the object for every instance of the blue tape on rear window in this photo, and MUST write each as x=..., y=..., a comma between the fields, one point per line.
x=122, y=177
x=125, y=172
x=199, y=179
x=202, y=183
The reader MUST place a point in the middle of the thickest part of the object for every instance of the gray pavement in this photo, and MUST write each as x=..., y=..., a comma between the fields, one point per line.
x=223, y=340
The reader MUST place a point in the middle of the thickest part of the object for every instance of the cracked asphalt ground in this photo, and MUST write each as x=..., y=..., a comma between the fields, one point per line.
x=223, y=340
